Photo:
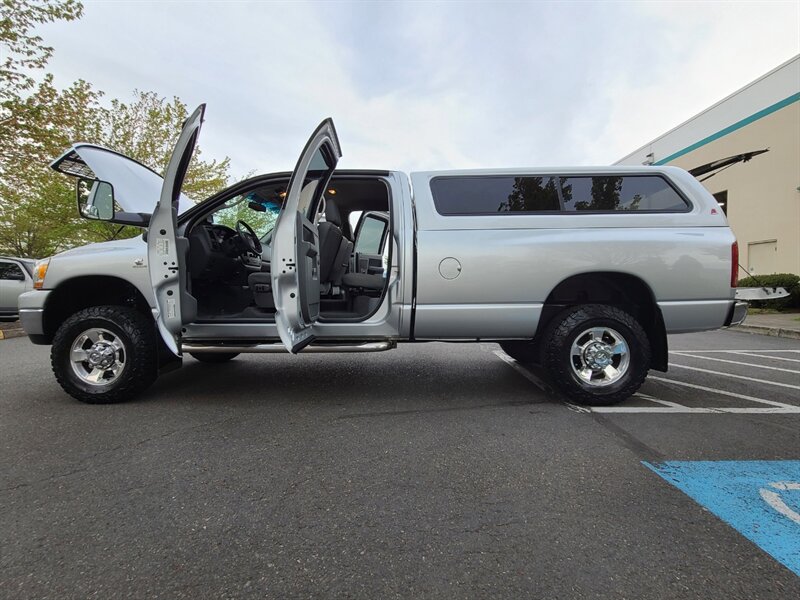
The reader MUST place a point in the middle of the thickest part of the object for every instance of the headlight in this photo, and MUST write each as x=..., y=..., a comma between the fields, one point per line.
x=39, y=271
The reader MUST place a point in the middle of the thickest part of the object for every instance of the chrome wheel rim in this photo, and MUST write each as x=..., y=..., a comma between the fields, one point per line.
x=599, y=356
x=98, y=356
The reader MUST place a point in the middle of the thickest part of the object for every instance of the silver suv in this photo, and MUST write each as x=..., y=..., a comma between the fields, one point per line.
x=16, y=278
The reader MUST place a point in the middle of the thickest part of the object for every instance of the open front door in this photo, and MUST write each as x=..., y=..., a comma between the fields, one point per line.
x=166, y=252
x=295, y=240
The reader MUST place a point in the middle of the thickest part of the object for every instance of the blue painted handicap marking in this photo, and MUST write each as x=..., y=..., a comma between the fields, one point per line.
x=759, y=498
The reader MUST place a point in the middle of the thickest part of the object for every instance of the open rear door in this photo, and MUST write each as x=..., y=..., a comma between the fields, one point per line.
x=295, y=240
x=166, y=252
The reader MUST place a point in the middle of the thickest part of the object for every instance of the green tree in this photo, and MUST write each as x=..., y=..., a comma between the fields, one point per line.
x=20, y=49
x=605, y=194
x=238, y=209
x=147, y=129
x=532, y=194
x=37, y=206
x=38, y=216
x=38, y=122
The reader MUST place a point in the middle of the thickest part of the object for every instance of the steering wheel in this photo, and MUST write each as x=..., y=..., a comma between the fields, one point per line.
x=248, y=236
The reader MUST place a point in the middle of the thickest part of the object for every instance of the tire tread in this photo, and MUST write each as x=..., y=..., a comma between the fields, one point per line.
x=141, y=358
x=560, y=372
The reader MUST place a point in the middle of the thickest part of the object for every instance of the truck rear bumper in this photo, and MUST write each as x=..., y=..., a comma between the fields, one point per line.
x=687, y=316
x=737, y=314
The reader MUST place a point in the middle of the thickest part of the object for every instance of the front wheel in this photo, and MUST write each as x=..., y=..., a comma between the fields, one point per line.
x=596, y=354
x=105, y=354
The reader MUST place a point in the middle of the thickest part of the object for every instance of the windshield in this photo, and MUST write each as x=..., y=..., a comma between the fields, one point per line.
x=258, y=208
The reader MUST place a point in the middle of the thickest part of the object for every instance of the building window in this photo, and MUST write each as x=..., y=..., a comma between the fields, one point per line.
x=722, y=200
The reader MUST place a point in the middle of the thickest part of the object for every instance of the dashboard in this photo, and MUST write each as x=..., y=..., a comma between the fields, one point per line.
x=217, y=252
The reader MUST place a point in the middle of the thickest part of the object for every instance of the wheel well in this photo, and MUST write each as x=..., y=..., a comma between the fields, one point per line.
x=622, y=290
x=82, y=292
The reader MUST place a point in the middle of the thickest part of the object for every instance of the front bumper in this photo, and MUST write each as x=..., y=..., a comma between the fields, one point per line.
x=737, y=315
x=31, y=312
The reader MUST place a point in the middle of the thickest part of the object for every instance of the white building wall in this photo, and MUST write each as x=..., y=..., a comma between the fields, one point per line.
x=775, y=90
x=763, y=195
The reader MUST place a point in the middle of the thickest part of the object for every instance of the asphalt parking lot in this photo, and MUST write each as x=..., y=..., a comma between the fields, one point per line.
x=435, y=470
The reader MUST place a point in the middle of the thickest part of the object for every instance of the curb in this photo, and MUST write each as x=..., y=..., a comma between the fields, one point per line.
x=793, y=334
x=7, y=334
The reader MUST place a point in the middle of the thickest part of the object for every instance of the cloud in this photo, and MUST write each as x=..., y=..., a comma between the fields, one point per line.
x=706, y=52
x=429, y=85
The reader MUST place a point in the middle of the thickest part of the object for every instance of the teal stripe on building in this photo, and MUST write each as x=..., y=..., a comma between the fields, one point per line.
x=731, y=128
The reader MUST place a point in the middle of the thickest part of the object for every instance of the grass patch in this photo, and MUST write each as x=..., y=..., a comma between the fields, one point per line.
x=751, y=310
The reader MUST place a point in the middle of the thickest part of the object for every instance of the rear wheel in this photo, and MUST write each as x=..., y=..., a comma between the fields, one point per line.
x=596, y=354
x=105, y=354
x=214, y=357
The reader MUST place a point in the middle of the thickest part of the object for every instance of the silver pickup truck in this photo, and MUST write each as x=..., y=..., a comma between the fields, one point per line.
x=583, y=271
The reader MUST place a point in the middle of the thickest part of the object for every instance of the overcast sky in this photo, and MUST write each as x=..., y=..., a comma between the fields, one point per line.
x=426, y=85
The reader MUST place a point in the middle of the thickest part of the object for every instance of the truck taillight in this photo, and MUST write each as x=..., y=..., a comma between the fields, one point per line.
x=734, y=264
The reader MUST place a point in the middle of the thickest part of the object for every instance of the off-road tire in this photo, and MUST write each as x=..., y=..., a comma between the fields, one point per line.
x=214, y=357
x=556, y=358
x=135, y=331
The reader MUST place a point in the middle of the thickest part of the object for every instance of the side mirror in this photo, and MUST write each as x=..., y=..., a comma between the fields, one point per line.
x=95, y=199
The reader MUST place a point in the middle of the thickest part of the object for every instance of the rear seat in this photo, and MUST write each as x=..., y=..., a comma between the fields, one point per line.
x=363, y=281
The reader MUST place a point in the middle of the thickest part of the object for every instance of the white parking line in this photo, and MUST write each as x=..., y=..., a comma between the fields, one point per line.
x=525, y=372
x=534, y=379
x=734, y=362
x=764, y=381
x=742, y=350
x=664, y=402
x=740, y=353
x=650, y=398
x=665, y=406
x=721, y=392
x=789, y=410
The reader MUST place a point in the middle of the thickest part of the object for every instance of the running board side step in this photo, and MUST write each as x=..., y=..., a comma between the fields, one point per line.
x=281, y=349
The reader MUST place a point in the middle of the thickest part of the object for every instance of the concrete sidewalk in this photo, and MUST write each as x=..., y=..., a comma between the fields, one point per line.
x=785, y=325
x=10, y=330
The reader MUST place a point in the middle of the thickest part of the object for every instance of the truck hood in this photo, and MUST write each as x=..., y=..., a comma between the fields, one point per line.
x=137, y=188
x=105, y=247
